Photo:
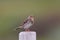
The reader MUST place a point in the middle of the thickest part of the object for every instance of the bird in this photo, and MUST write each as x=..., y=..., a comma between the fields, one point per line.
x=27, y=23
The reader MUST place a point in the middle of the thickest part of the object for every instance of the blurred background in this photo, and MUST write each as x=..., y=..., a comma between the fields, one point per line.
x=46, y=13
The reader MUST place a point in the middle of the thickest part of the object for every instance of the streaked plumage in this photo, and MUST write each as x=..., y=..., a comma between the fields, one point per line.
x=27, y=23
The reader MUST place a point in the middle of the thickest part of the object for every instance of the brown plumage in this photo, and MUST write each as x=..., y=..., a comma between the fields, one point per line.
x=27, y=23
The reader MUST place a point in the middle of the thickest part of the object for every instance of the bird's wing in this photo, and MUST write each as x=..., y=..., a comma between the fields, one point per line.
x=25, y=21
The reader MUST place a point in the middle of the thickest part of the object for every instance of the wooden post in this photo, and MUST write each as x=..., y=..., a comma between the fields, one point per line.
x=31, y=35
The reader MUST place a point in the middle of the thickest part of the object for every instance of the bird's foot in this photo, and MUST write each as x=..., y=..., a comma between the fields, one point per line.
x=27, y=30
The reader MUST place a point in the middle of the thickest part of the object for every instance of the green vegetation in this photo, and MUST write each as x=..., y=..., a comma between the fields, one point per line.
x=13, y=12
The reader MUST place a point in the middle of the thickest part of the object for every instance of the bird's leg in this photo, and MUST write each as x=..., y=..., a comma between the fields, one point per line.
x=27, y=30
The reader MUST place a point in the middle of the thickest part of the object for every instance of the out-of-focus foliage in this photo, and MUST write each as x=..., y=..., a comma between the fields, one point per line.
x=13, y=13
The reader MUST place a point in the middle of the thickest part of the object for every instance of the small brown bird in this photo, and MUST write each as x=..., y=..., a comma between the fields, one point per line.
x=27, y=23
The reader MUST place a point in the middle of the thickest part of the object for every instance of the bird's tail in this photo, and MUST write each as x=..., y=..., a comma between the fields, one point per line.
x=20, y=27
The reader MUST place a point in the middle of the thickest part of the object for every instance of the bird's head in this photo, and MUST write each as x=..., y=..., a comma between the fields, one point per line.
x=31, y=18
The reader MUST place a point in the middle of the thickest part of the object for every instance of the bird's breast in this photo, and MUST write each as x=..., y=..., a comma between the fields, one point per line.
x=27, y=25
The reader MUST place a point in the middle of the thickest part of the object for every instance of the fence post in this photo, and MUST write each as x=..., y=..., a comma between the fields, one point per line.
x=31, y=35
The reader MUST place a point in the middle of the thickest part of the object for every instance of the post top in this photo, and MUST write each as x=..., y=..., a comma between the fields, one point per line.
x=27, y=32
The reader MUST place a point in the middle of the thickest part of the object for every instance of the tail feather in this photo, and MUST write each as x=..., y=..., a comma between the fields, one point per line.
x=20, y=27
